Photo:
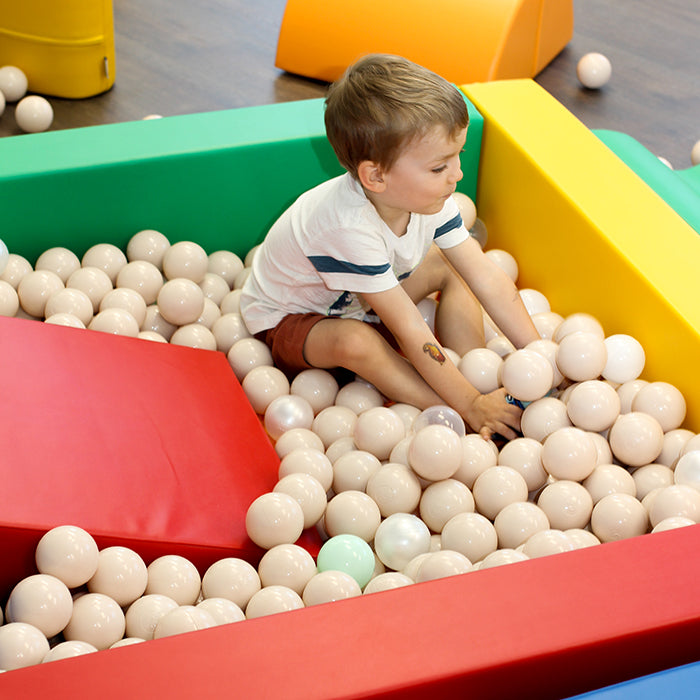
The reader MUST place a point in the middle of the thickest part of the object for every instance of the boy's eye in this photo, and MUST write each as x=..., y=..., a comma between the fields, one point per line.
x=440, y=169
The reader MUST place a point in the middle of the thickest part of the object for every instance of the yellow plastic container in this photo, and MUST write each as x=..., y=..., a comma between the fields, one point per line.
x=66, y=49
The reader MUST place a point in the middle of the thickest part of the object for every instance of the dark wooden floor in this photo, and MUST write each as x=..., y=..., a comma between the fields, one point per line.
x=179, y=57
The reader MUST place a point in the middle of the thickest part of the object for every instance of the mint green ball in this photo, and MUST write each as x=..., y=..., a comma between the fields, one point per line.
x=349, y=554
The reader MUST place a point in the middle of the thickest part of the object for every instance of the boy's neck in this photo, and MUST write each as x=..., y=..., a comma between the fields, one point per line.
x=396, y=219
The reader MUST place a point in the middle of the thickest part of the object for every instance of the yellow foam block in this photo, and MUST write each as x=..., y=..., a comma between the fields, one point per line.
x=462, y=40
x=66, y=49
x=587, y=231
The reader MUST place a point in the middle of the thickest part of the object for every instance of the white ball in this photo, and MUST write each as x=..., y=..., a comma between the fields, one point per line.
x=274, y=518
x=69, y=553
x=287, y=412
x=121, y=574
x=174, y=576
x=231, y=578
x=143, y=614
x=399, y=538
x=435, y=452
x=68, y=650
x=186, y=618
x=626, y=358
x=181, y=301
x=695, y=153
x=13, y=83
x=41, y=600
x=377, y=430
x=21, y=645
x=593, y=70
x=34, y=114
x=618, y=516
x=97, y=620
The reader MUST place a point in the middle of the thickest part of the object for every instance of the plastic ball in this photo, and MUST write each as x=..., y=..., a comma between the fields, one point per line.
x=618, y=516
x=121, y=574
x=442, y=500
x=664, y=402
x=354, y=513
x=143, y=614
x=97, y=620
x=318, y=386
x=185, y=259
x=441, y=564
x=329, y=586
x=274, y=518
x=41, y=600
x=69, y=553
x=377, y=430
x=353, y=469
x=13, y=83
x=481, y=367
x=439, y=415
x=21, y=645
x=174, y=576
x=308, y=492
x=527, y=375
x=395, y=488
x=569, y=453
x=222, y=610
x=347, y=553
x=387, y=582
x=496, y=487
x=231, y=578
x=272, y=600
x=286, y=412
x=399, y=538
x=148, y=245
x=185, y=618
x=287, y=565
x=626, y=358
x=34, y=114
x=636, y=439
x=435, y=452
x=472, y=534
x=180, y=301
x=695, y=153
x=69, y=650
x=308, y=460
x=593, y=70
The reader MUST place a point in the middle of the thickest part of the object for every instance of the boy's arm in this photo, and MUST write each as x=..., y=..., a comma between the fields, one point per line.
x=484, y=413
x=495, y=290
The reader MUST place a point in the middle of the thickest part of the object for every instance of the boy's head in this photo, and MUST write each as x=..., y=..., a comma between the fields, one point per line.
x=384, y=102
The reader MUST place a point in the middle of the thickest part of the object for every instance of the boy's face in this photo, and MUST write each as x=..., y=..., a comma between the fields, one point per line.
x=426, y=173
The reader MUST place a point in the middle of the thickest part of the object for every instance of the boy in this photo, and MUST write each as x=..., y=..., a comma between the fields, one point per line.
x=337, y=279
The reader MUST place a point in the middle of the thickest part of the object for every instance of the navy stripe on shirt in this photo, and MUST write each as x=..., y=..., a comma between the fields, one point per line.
x=450, y=225
x=325, y=263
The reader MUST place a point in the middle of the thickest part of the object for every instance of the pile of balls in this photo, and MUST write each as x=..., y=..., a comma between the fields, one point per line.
x=397, y=495
x=33, y=112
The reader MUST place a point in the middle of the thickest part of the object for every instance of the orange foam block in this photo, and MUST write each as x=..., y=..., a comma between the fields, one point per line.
x=462, y=40
x=150, y=446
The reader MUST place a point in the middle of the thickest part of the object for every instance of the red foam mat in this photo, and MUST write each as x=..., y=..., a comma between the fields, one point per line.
x=146, y=445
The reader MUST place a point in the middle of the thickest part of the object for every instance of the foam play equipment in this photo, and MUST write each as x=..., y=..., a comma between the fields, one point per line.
x=65, y=49
x=462, y=40
x=680, y=189
x=567, y=207
x=544, y=628
x=157, y=451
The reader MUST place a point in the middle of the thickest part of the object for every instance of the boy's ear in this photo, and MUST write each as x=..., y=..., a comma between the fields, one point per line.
x=371, y=176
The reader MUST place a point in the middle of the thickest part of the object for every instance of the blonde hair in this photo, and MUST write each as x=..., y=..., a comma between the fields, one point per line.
x=384, y=102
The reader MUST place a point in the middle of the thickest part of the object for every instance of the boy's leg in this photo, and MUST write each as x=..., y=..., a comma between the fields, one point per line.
x=459, y=321
x=355, y=345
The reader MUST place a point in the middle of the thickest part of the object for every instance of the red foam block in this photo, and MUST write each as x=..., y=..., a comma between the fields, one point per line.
x=150, y=446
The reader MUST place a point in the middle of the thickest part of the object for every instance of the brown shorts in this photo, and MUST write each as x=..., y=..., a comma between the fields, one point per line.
x=286, y=340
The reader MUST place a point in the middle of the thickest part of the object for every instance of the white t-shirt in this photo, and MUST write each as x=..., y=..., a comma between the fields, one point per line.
x=332, y=244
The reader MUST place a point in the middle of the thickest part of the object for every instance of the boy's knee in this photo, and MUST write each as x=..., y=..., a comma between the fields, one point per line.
x=357, y=342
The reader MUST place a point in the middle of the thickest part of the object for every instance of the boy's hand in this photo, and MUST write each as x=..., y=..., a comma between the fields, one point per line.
x=491, y=414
